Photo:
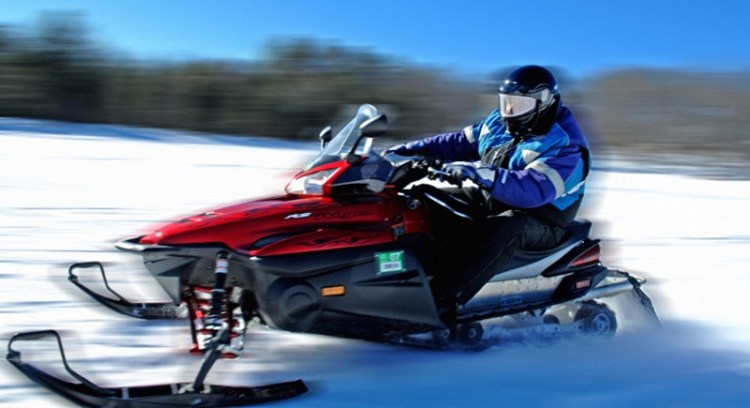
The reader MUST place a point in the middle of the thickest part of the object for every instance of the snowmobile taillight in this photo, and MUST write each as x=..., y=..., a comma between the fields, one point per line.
x=339, y=290
x=591, y=256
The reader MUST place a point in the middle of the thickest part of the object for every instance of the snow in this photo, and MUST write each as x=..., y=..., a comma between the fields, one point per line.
x=67, y=192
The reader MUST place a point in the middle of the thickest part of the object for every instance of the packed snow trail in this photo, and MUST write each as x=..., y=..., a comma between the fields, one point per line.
x=68, y=192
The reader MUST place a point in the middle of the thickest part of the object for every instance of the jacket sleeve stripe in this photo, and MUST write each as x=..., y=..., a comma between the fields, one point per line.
x=469, y=134
x=552, y=175
x=529, y=155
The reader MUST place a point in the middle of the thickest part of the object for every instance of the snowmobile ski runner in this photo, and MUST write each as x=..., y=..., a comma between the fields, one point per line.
x=197, y=393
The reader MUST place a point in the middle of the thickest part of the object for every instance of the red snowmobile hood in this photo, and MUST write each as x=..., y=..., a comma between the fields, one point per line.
x=175, y=232
x=250, y=225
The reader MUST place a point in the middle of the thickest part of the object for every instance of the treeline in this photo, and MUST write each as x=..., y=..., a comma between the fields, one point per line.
x=57, y=70
x=705, y=115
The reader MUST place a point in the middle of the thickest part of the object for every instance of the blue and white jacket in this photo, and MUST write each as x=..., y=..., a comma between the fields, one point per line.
x=542, y=175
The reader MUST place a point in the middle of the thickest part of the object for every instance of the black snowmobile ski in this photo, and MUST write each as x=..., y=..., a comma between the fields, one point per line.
x=148, y=311
x=197, y=393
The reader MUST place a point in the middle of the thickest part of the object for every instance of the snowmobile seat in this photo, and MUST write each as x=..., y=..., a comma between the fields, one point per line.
x=575, y=232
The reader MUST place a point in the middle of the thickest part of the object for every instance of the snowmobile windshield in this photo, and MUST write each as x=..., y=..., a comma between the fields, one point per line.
x=344, y=141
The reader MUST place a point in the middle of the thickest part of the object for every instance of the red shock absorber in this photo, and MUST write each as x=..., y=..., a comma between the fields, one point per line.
x=199, y=304
x=210, y=308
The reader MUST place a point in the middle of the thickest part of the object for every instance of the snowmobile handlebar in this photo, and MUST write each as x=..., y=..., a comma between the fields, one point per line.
x=421, y=166
x=442, y=175
x=408, y=169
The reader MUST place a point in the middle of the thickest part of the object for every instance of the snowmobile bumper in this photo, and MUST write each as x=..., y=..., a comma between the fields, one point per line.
x=175, y=266
x=617, y=282
x=149, y=311
x=614, y=283
x=88, y=394
x=132, y=245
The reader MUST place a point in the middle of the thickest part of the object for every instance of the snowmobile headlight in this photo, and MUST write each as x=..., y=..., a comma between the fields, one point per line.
x=310, y=184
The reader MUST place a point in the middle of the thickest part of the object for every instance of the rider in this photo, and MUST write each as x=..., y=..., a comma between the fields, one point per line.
x=529, y=162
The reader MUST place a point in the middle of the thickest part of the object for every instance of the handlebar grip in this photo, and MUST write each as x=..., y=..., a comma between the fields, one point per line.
x=441, y=175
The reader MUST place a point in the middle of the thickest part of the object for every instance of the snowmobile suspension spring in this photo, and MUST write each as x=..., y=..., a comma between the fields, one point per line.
x=218, y=298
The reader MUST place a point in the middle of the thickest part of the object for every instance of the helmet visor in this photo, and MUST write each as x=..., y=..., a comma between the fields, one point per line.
x=516, y=105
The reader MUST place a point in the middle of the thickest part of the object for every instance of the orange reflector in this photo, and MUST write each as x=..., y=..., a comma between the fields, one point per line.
x=339, y=290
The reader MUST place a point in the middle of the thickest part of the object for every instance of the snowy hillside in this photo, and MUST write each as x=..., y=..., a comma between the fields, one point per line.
x=67, y=193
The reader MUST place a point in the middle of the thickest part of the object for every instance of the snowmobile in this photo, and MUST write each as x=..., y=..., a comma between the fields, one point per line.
x=348, y=252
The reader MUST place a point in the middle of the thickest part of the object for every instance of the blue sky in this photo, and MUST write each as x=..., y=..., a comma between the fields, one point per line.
x=472, y=37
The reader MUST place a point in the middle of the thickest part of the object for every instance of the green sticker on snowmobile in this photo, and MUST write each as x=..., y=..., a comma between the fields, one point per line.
x=390, y=262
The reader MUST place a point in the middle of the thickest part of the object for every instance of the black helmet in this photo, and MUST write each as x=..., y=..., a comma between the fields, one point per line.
x=529, y=100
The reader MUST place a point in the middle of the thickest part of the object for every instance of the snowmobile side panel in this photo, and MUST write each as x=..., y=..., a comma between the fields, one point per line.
x=325, y=240
x=291, y=289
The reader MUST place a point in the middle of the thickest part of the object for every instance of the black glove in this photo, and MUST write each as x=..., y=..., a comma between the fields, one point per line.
x=409, y=149
x=483, y=176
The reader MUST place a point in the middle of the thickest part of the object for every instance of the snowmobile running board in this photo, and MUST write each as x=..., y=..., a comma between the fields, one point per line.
x=613, y=283
x=148, y=311
x=195, y=394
